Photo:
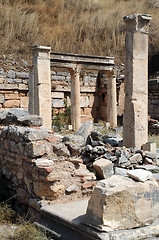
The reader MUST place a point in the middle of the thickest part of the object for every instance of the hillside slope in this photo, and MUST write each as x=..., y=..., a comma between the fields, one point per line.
x=78, y=26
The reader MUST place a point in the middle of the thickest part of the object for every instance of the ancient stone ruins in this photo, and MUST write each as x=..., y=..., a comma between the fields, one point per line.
x=86, y=184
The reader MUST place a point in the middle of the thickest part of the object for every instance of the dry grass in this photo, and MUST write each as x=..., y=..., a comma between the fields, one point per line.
x=79, y=26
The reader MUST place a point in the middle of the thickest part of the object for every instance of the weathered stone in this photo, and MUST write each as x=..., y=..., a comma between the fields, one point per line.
x=136, y=158
x=96, y=136
x=119, y=203
x=10, y=116
x=31, y=120
x=100, y=150
x=121, y=171
x=32, y=134
x=112, y=139
x=85, y=130
x=103, y=168
x=139, y=174
x=22, y=75
x=149, y=167
x=36, y=149
x=150, y=147
x=44, y=162
x=48, y=191
x=135, y=124
x=72, y=188
x=60, y=149
x=74, y=143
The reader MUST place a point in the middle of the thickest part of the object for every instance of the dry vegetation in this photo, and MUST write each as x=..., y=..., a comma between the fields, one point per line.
x=79, y=26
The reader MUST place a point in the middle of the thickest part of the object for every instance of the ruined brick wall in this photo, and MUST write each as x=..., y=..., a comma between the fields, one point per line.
x=28, y=160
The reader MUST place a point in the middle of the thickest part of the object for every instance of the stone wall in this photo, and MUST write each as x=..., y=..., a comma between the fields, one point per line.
x=30, y=160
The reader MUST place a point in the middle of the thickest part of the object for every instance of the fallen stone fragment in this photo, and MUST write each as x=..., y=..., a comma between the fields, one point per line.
x=149, y=167
x=122, y=203
x=60, y=149
x=136, y=158
x=103, y=168
x=30, y=120
x=72, y=188
x=113, y=139
x=120, y=171
x=10, y=116
x=96, y=136
x=85, y=130
x=139, y=174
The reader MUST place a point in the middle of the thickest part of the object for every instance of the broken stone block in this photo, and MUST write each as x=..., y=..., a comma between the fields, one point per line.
x=85, y=129
x=136, y=158
x=121, y=171
x=72, y=188
x=122, y=203
x=103, y=168
x=48, y=191
x=60, y=149
x=139, y=174
x=150, y=147
x=31, y=120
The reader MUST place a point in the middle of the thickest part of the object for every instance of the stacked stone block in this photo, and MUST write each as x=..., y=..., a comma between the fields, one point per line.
x=28, y=160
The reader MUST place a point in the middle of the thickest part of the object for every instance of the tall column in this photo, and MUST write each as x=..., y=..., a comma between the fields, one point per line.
x=75, y=98
x=111, y=99
x=135, y=121
x=42, y=84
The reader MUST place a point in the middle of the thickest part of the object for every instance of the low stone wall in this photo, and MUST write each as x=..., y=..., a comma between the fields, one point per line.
x=37, y=169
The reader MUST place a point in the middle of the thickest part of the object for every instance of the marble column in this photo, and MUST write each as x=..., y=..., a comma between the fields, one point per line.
x=135, y=120
x=75, y=98
x=111, y=99
x=41, y=84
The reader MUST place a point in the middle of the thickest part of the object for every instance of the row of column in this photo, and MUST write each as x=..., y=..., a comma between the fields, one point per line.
x=40, y=90
x=135, y=122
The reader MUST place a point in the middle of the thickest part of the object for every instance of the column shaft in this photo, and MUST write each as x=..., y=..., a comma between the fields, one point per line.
x=111, y=100
x=42, y=84
x=135, y=121
x=75, y=98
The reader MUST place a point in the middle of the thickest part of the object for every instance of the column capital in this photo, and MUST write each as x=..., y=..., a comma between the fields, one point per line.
x=41, y=51
x=74, y=70
x=138, y=22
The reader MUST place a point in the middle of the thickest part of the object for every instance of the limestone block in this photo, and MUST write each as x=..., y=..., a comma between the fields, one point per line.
x=103, y=168
x=12, y=104
x=11, y=95
x=139, y=174
x=22, y=86
x=48, y=190
x=11, y=74
x=120, y=203
x=57, y=103
x=57, y=94
x=24, y=102
x=150, y=147
x=22, y=75
x=58, y=78
x=2, y=98
x=36, y=149
x=85, y=129
x=84, y=101
x=60, y=149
